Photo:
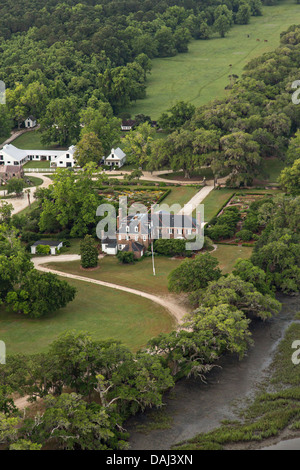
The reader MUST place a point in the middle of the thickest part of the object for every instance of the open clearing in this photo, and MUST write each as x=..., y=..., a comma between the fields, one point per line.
x=32, y=141
x=202, y=74
x=102, y=312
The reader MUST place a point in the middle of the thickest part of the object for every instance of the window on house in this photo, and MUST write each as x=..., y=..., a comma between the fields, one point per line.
x=179, y=231
x=144, y=238
x=136, y=238
x=170, y=230
x=136, y=229
x=127, y=229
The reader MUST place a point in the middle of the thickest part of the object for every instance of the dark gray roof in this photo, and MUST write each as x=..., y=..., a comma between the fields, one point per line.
x=47, y=242
x=110, y=242
x=136, y=246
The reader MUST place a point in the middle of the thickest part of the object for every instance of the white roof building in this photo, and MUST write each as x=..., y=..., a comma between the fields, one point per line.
x=11, y=155
x=116, y=158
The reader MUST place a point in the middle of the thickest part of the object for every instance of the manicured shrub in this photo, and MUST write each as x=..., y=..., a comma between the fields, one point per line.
x=88, y=252
x=126, y=257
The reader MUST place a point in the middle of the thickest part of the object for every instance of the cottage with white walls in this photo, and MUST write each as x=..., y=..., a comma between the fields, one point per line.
x=11, y=155
x=54, y=246
x=30, y=122
x=109, y=246
x=117, y=158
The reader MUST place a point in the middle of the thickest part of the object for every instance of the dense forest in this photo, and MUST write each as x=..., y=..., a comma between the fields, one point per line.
x=97, y=49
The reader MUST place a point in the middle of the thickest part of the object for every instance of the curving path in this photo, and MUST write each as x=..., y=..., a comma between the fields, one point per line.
x=20, y=203
x=175, y=310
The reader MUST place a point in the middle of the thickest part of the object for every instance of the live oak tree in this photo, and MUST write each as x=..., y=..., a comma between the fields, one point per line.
x=194, y=274
x=40, y=294
x=71, y=202
x=98, y=118
x=290, y=178
x=137, y=144
x=240, y=156
x=88, y=149
x=241, y=295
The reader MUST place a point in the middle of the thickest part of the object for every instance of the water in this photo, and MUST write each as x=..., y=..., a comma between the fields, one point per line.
x=197, y=407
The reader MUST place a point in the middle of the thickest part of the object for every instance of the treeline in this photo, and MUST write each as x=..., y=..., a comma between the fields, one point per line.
x=98, y=48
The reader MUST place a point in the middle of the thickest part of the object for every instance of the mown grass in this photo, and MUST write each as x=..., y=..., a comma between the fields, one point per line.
x=228, y=255
x=38, y=164
x=214, y=202
x=32, y=141
x=201, y=74
x=103, y=312
x=138, y=275
x=180, y=195
x=275, y=409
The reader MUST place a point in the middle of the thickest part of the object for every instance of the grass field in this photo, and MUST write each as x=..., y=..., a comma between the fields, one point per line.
x=39, y=164
x=214, y=202
x=180, y=195
x=138, y=275
x=271, y=170
x=202, y=74
x=104, y=313
x=32, y=141
x=228, y=255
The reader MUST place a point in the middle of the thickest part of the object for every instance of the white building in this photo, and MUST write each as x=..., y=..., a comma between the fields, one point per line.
x=54, y=246
x=11, y=155
x=30, y=122
x=117, y=158
x=109, y=246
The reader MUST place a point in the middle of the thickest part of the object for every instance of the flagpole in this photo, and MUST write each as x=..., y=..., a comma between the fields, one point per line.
x=152, y=259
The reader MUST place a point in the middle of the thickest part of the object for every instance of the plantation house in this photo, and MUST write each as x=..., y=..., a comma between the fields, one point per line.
x=11, y=155
x=136, y=232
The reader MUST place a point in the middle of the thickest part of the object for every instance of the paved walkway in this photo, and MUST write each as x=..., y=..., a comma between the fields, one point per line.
x=196, y=200
x=20, y=203
x=175, y=310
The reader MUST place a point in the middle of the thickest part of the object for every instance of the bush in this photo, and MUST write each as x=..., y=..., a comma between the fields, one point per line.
x=170, y=247
x=245, y=235
x=126, y=257
x=43, y=250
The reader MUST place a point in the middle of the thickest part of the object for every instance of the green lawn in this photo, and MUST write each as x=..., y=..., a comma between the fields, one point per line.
x=227, y=256
x=180, y=195
x=271, y=169
x=214, y=202
x=34, y=181
x=32, y=141
x=197, y=175
x=202, y=74
x=38, y=164
x=138, y=275
x=104, y=313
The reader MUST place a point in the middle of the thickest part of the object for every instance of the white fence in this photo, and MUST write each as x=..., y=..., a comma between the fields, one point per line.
x=39, y=170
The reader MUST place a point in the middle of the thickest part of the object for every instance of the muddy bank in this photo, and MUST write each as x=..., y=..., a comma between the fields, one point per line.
x=194, y=407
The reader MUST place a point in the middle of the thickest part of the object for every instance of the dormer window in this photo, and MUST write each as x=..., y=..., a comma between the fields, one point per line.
x=136, y=229
x=127, y=229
